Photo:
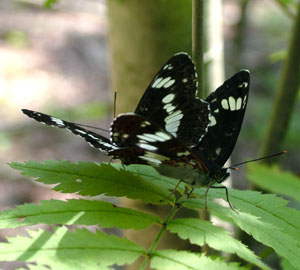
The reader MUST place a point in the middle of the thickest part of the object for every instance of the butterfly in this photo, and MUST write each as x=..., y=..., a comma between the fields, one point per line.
x=182, y=136
x=198, y=164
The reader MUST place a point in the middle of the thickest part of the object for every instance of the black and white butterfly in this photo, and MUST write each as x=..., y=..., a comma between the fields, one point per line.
x=173, y=130
x=200, y=163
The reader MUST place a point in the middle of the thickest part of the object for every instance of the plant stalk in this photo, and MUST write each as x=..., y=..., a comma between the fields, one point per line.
x=286, y=96
x=198, y=43
x=159, y=235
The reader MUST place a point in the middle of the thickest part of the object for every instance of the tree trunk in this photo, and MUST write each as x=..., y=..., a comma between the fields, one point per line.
x=143, y=36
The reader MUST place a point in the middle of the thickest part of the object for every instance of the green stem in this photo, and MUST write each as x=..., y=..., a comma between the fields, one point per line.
x=159, y=235
x=286, y=95
x=198, y=43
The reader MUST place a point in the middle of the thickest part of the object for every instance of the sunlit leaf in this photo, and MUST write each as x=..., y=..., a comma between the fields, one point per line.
x=76, y=212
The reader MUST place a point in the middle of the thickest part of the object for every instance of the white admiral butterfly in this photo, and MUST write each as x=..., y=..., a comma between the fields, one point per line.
x=179, y=134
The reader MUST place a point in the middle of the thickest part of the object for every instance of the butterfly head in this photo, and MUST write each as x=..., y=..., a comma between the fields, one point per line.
x=220, y=175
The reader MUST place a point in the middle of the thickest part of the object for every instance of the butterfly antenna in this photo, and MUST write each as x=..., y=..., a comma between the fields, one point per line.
x=233, y=167
x=102, y=129
x=115, y=102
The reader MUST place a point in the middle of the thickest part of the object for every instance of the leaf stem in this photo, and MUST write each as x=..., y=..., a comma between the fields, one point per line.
x=160, y=234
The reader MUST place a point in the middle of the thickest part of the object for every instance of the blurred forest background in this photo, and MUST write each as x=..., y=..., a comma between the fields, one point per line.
x=57, y=61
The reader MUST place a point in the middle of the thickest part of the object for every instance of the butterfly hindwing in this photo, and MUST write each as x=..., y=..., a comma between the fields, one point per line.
x=95, y=140
x=228, y=104
x=170, y=102
x=147, y=143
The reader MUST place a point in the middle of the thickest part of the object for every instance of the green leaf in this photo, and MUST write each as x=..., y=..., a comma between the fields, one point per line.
x=201, y=232
x=152, y=175
x=183, y=260
x=87, y=178
x=34, y=267
x=285, y=265
x=49, y=3
x=54, y=267
x=71, y=250
x=264, y=216
x=274, y=180
x=79, y=212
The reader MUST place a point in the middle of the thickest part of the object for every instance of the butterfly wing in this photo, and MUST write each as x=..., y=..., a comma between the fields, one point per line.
x=170, y=102
x=228, y=104
x=142, y=141
x=94, y=139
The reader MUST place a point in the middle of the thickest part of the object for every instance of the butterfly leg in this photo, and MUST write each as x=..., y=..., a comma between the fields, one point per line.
x=111, y=159
x=205, y=196
x=227, y=196
x=174, y=190
x=188, y=194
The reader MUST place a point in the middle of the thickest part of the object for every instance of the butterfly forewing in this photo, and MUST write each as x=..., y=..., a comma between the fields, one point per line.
x=169, y=101
x=94, y=139
x=228, y=104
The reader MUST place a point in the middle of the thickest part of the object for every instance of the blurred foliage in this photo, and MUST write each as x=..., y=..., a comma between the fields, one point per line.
x=5, y=141
x=277, y=56
x=254, y=131
x=88, y=111
x=17, y=38
x=274, y=180
x=50, y=3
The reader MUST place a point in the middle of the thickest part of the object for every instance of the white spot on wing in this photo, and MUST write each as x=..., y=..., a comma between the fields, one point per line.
x=173, y=119
x=92, y=137
x=165, y=136
x=173, y=127
x=153, y=157
x=167, y=66
x=212, y=120
x=168, y=98
x=147, y=137
x=174, y=114
x=158, y=136
x=156, y=82
x=169, y=108
x=162, y=82
x=218, y=151
x=147, y=146
x=169, y=83
x=224, y=104
x=57, y=121
x=239, y=103
x=80, y=131
x=244, y=101
x=186, y=153
x=145, y=123
x=231, y=103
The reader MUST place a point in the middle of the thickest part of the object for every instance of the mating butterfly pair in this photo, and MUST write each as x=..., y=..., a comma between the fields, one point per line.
x=171, y=129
